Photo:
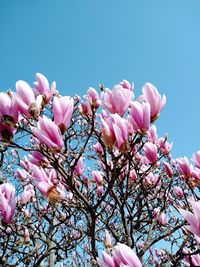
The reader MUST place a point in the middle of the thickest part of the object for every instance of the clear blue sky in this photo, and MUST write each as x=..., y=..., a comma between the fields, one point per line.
x=80, y=43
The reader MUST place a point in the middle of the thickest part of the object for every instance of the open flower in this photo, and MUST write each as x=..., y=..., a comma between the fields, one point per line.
x=151, y=152
x=28, y=103
x=139, y=116
x=48, y=133
x=122, y=256
x=62, y=110
x=117, y=100
x=152, y=96
x=7, y=202
x=193, y=219
x=42, y=86
x=115, y=132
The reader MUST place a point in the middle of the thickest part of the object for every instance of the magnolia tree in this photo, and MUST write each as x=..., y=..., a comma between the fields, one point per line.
x=89, y=182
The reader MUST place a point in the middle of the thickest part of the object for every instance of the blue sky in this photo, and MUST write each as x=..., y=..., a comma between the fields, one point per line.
x=80, y=43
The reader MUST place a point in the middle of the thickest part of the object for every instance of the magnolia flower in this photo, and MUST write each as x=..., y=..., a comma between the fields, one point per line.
x=8, y=109
x=79, y=168
x=7, y=202
x=97, y=177
x=168, y=169
x=126, y=85
x=196, y=159
x=107, y=131
x=152, y=96
x=160, y=217
x=38, y=159
x=191, y=260
x=93, y=97
x=42, y=86
x=139, y=116
x=178, y=191
x=115, y=132
x=152, y=134
x=120, y=128
x=193, y=219
x=28, y=103
x=187, y=170
x=122, y=256
x=165, y=147
x=62, y=110
x=41, y=180
x=21, y=174
x=117, y=100
x=48, y=133
x=27, y=194
x=151, y=179
x=151, y=152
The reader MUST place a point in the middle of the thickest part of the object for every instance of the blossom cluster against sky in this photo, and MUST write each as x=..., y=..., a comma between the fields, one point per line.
x=82, y=43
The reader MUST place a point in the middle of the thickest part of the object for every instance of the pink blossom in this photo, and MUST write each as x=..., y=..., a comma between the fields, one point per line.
x=115, y=132
x=98, y=148
x=79, y=168
x=160, y=216
x=193, y=219
x=117, y=100
x=106, y=261
x=168, y=169
x=28, y=104
x=8, y=109
x=98, y=177
x=48, y=133
x=126, y=85
x=151, y=179
x=38, y=159
x=21, y=174
x=122, y=256
x=152, y=134
x=108, y=134
x=151, y=152
x=196, y=159
x=93, y=97
x=100, y=190
x=152, y=96
x=7, y=202
x=191, y=260
x=165, y=147
x=42, y=86
x=25, y=163
x=184, y=166
x=162, y=219
x=62, y=110
x=178, y=191
x=139, y=116
x=41, y=180
x=27, y=194
x=85, y=109
x=120, y=128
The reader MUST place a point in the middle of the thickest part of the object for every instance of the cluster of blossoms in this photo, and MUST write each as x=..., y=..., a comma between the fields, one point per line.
x=72, y=169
